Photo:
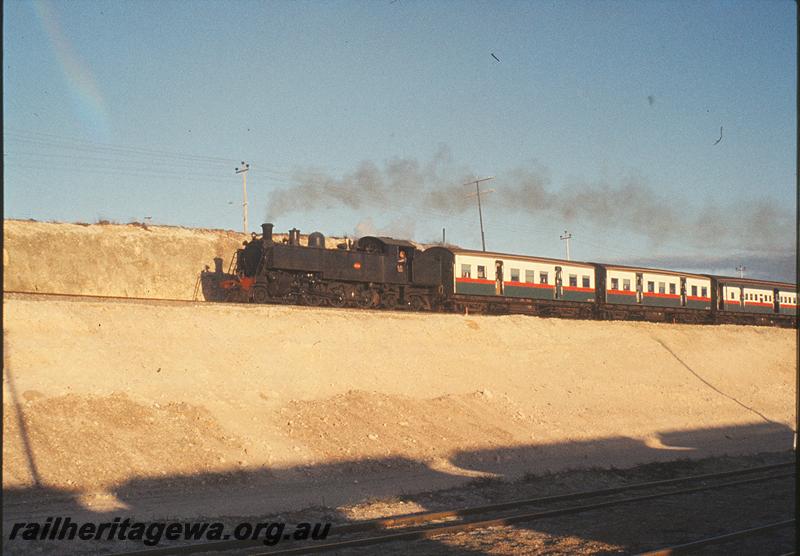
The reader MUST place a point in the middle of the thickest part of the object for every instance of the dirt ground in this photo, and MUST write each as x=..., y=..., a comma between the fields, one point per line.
x=193, y=409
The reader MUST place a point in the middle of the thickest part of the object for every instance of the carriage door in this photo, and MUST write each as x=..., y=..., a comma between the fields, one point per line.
x=741, y=298
x=498, y=277
x=683, y=291
x=559, y=291
x=639, y=287
x=776, y=301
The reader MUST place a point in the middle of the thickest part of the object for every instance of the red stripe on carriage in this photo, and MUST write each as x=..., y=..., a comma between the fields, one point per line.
x=529, y=285
x=474, y=281
x=666, y=295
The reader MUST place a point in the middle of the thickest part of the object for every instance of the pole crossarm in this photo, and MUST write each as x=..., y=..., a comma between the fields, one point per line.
x=566, y=237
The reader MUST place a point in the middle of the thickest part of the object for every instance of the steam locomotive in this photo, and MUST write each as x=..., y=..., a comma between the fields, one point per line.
x=381, y=272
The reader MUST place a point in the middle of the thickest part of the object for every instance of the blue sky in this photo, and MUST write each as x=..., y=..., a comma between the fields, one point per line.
x=600, y=118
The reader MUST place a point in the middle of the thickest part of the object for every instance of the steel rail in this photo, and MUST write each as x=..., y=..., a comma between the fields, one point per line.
x=436, y=530
x=719, y=539
x=381, y=524
x=97, y=296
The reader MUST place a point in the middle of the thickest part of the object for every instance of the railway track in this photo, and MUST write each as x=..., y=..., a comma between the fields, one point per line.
x=720, y=539
x=425, y=525
x=13, y=294
x=22, y=294
x=574, y=311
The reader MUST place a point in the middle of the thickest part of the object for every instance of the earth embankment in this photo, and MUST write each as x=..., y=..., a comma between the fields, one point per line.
x=126, y=396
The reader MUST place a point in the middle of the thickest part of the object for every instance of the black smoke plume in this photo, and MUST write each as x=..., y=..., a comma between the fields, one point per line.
x=627, y=204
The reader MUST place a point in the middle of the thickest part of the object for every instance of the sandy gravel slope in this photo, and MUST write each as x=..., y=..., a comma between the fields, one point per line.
x=129, y=260
x=127, y=405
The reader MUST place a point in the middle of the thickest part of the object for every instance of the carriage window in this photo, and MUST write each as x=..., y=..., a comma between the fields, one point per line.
x=543, y=278
x=662, y=287
x=585, y=281
x=482, y=272
x=704, y=291
x=651, y=287
x=515, y=275
x=694, y=291
x=626, y=284
x=615, y=283
x=573, y=280
x=466, y=270
x=672, y=288
x=732, y=296
x=530, y=276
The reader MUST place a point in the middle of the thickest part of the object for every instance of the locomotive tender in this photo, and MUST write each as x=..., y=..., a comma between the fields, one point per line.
x=381, y=272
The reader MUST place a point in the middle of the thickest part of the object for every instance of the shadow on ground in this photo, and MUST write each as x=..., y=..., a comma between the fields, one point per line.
x=254, y=495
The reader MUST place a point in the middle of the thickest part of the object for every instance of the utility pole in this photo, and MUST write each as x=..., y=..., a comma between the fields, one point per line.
x=567, y=236
x=480, y=212
x=740, y=269
x=243, y=171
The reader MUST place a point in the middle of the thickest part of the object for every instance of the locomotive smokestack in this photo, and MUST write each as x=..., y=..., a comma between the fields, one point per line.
x=266, y=230
x=218, y=265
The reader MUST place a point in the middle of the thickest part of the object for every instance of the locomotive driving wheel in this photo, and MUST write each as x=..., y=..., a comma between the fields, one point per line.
x=416, y=303
x=338, y=297
x=367, y=298
x=389, y=300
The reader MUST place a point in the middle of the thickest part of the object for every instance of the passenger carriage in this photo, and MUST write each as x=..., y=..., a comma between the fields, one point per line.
x=513, y=276
x=649, y=287
x=744, y=295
